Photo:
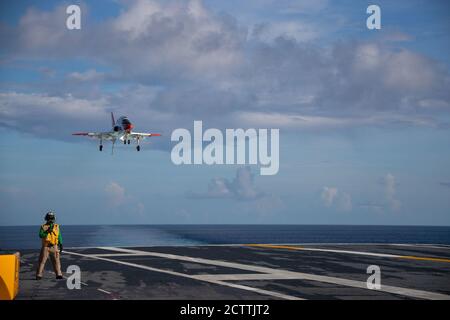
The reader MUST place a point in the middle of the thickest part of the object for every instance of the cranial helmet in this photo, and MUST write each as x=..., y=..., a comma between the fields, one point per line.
x=50, y=216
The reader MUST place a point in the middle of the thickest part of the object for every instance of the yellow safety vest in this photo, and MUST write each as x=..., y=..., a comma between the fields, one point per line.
x=52, y=238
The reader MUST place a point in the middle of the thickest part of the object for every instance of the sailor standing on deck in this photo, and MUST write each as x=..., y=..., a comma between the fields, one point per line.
x=51, y=245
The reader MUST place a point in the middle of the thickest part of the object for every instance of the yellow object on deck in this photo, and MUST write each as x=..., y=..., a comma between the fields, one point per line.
x=9, y=275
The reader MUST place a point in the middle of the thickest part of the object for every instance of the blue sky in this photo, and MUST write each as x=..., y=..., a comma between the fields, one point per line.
x=363, y=114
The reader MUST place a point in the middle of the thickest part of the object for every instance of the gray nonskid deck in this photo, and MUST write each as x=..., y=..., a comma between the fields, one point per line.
x=244, y=272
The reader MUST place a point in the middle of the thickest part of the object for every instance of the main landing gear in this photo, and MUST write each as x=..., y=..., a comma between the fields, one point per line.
x=138, y=147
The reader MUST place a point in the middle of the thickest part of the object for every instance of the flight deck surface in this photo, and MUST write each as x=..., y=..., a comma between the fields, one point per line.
x=245, y=272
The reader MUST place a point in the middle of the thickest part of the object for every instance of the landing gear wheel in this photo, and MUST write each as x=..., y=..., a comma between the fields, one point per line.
x=129, y=141
x=124, y=141
x=138, y=148
x=100, y=147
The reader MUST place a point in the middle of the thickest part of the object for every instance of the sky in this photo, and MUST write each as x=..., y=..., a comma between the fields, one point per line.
x=364, y=115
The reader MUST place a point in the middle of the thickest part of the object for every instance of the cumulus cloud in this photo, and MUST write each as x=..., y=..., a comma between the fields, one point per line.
x=388, y=201
x=331, y=197
x=390, y=191
x=46, y=115
x=249, y=199
x=89, y=75
x=269, y=32
x=118, y=198
x=345, y=202
x=328, y=195
x=240, y=188
x=115, y=193
x=146, y=37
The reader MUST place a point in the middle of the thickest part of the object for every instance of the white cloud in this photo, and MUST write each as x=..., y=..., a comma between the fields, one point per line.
x=295, y=30
x=115, y=193
x=89, y=75
x=331, y=196
x=388, y=201
x=328, y=195
x=46, y=115
x=434, y=103
x=345, y=202
x=390, y=191
x=205, y=64
x=240, y=188
x=118, y=198
x=182, y=39
x=218, y=188
x=248, y=198
x=297, y=121
x=397, y=36
x=137, y=18
x=408, y=71
x=169, y=38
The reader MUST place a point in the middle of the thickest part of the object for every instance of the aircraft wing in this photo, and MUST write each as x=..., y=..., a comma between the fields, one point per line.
x=139, y=135
x=98, y=135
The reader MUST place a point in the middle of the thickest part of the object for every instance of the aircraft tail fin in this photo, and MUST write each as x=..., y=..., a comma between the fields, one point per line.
x=112, y=120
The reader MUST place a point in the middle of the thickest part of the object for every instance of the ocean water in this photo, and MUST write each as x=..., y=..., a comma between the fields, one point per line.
x=26, y=237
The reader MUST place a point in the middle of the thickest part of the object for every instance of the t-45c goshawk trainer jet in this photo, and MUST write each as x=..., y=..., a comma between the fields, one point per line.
x=121, y=129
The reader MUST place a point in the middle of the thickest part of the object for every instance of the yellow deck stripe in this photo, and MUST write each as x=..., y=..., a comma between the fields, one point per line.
x=425, y=258
x=296, y=248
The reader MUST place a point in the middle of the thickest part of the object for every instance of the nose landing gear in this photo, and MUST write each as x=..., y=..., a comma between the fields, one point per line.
x=100, y=147
x=138, y=148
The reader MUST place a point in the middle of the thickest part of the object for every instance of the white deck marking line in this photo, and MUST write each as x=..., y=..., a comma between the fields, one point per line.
x=115, y=254
x=290, y=274
x=257, y=290
x=107, y=292
x=232, y=285
x=249, y=276
x=363, y=253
